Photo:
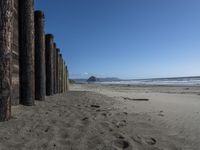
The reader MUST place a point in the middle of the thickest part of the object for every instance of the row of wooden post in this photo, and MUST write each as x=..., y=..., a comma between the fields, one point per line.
x=42, y=70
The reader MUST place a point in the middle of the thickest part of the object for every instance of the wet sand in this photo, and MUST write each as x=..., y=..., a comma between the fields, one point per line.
x=95, y=117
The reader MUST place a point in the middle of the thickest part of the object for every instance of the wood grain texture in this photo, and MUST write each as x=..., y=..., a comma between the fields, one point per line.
x=49, y=64
x=40, y=73
x=27, y=46
x=15, y=54
x=6, y=30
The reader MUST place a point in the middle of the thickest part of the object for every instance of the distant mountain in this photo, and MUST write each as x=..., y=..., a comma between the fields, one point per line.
x=92, y=79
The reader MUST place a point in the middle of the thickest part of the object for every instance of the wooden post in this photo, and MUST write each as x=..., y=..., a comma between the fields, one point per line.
x=15, y=54
x=60, y=73
x=67, y=84
x=49, y=64
x=27, y=45
x=64, y=76
x=40, y=84
x=6, y=29
x=57, y=69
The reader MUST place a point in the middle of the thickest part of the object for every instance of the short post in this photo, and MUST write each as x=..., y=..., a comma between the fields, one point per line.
x=64, y=76
x=67, y=78
x=6, y=29
x=49, y=64
x=40, y=73
x=27, y=48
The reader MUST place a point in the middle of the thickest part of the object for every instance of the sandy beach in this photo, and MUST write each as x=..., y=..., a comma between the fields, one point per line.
x=108, y=117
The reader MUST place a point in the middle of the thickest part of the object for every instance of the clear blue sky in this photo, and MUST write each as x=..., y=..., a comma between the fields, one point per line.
x=126, y=38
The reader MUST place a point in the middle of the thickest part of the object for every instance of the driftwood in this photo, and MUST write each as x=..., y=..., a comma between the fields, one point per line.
x=135, y=99
x=6, y=29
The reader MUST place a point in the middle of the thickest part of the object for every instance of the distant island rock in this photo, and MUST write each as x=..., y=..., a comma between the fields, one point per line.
x=92, y=79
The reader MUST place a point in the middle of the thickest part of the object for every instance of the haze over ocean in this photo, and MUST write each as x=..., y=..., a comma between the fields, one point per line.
x=126, y=39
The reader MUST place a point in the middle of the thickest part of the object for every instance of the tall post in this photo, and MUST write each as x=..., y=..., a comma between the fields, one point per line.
x=27, y=45
x=15, y=54
x=49, y=64
x=40, y=84
x=57, y=69
x=60, y=73
x=6, y=29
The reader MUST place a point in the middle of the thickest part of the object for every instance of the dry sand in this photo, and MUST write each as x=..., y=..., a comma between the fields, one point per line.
x=94, y=117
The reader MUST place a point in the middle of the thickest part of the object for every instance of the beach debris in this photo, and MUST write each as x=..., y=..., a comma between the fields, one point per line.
x=135, y=99
x=95, y=106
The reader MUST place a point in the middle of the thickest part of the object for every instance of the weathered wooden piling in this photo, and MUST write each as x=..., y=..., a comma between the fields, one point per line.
x=49, y=64
x=67, y=76
x=55, y=68
x=15, y=54
x=62, y=62
x=6, y=29
x=40, y=73
x=27, y=46
x=60, y=73
x=64, y=78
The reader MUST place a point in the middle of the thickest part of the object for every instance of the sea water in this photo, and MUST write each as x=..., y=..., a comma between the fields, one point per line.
x=181, y=81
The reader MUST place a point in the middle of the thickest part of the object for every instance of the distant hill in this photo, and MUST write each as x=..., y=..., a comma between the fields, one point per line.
x=92, y=79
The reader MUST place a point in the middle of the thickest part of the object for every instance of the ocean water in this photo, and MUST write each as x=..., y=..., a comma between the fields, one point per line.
x=182, y=81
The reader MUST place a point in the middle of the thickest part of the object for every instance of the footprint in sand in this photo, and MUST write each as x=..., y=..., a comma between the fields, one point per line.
x=122, y=144
x=122, y=123
x=144, y=140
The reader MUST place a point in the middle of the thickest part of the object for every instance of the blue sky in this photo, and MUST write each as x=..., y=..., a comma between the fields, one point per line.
x=126, y=38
